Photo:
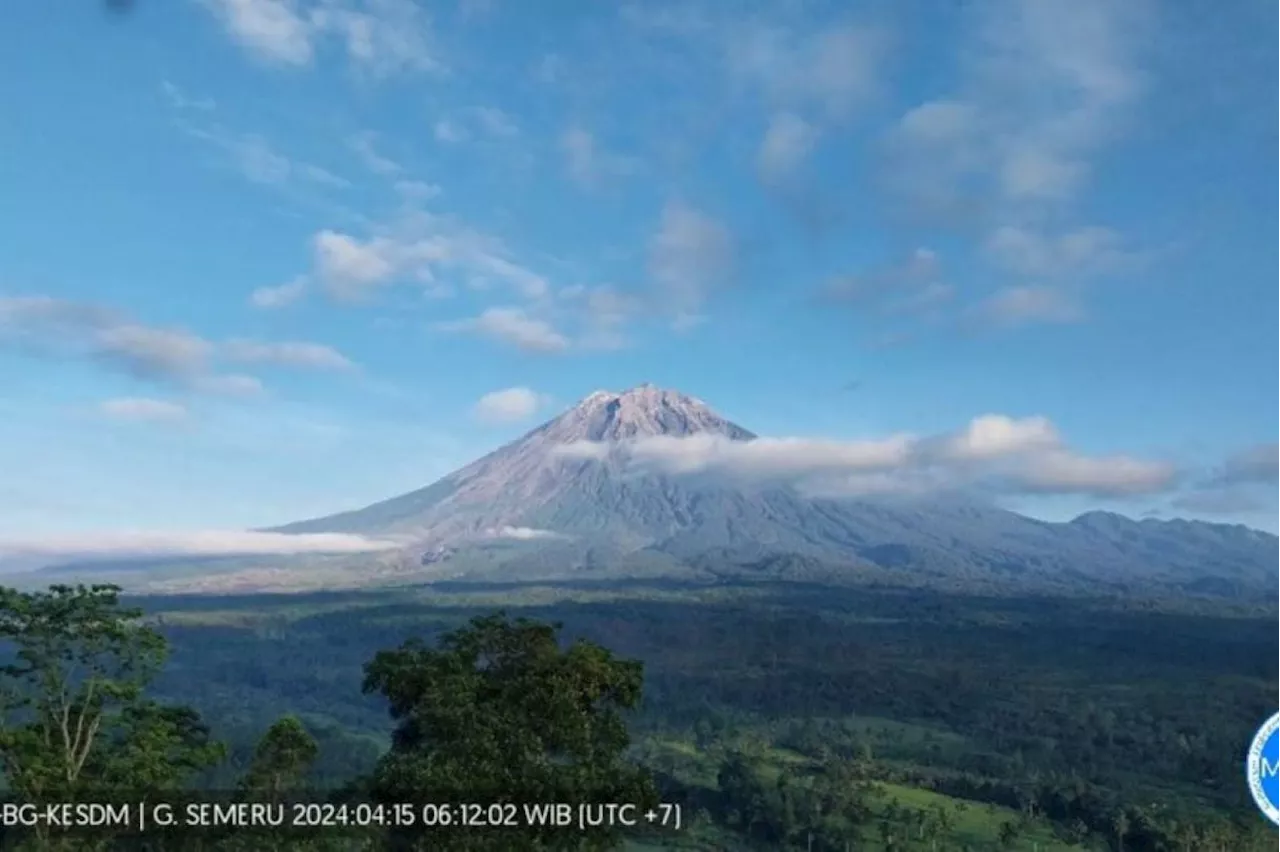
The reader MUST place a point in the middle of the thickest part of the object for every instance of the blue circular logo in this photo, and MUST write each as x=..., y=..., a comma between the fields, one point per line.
x=1261, y=767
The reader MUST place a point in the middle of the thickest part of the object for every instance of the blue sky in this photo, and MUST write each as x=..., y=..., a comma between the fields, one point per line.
x=267, y=259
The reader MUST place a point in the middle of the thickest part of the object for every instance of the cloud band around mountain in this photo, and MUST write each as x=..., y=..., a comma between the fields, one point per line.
x=992, y=453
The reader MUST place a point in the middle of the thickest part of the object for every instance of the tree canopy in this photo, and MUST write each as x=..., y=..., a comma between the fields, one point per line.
x=502, y=712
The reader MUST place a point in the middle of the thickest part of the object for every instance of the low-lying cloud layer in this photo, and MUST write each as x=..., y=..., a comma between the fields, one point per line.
x=992, y=453
x=120, y=545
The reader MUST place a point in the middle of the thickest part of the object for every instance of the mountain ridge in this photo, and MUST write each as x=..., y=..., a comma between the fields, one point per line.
x=559, y=499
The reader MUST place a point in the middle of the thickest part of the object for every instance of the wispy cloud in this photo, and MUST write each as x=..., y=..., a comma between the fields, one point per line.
x=476, y=121
x=256, y=159
x=787, y=143
x=915, y=279
x=1257, y=465
x=144, y=410
x=419, y=248
x=514, y=327
x=831, y=70
x=493, y=121
x=279, y=296
x=173, y=356
x=1043, y=90
x=287, y=354
x=690, y=255
x=364, y=145
x=180, y=100
x=415, y=192
x=587, y=163
x=1074, y=255
x=1017, y=306
x=381, y=37
x=449, y=131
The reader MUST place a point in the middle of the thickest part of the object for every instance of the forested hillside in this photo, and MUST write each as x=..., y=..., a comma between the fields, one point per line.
x=772, y=716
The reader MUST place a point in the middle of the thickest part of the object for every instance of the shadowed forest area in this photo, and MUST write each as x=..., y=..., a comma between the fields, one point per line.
x=774, y=716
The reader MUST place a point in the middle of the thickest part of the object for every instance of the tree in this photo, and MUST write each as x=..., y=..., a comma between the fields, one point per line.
x=281, y=761
x=500, y=713
x=1120, y=824
x=74, y=723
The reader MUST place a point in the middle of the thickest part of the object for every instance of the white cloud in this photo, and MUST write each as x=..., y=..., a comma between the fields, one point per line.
x=1016, y=306
x=180, y=100
x=529, y=284
x=514, y=327
x=583, y=451
x=418, y=247
x=993, y=453
x=893, y=283
x=526, y=534
x=1044, y=88
x=690, y=255
x=787, y=142
x=493, y=121
x=768, y=457
x=1073, y=254
x=475, y=9
x=1061, y=472
x=379, y=36
x=279, y=296
x=288, y=354
x=833, y=70
x=170, y=356
x=272, y=29
x=449, y=131
x=603, y=314
x=586, y=163
x=152, y=352
x=995, y=435
x=1042, y=91
x=113, y=545
x=472, y=122
x=510, y=405
x=232, y=384
x=351, y=267
x=417, y=191
x=261, y=163
x=365, y=147
x=579, y=148
x=143, y=410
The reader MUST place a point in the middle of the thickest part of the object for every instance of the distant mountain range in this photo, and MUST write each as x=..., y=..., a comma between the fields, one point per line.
x=567, y=501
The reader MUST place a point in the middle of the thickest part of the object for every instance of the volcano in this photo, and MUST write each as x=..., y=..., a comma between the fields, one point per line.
x=566, y=500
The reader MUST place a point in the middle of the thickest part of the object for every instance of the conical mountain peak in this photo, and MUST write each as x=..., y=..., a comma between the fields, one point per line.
x=642, y=411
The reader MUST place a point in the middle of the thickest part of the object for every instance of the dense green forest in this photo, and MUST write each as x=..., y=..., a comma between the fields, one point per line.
x=773, y=716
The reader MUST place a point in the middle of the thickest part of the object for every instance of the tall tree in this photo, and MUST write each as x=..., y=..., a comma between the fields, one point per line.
x=74, y=722
x=281, y=761
x=501, y=713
